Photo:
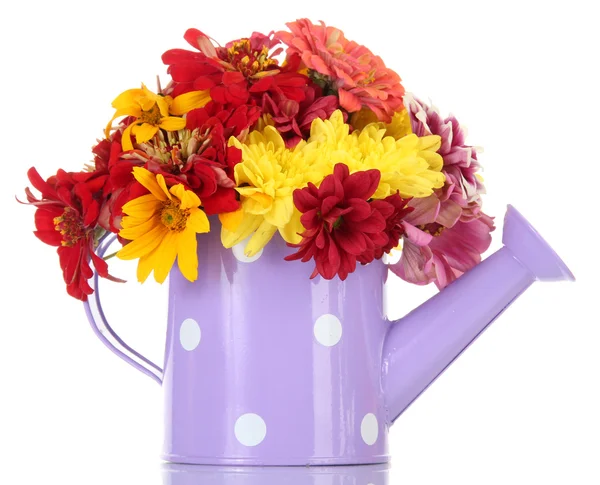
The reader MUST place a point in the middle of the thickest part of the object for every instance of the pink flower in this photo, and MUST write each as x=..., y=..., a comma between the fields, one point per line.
x=344, y=67
x=447, y=232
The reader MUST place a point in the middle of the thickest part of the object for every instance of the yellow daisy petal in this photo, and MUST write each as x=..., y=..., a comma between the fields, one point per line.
x=187, y=198
x=197, y=221
x=160, y=180
x=144, y=132
x=172, y=123
x=165, y=256
x=149, y=180
x=127, y=111
x=144, y=244
x=127, y=99
x=187, y=256
x=145, y=266
x=126, y=138
x=138, y=230
x=143, y=206
x=163, y=103
x=184, y=103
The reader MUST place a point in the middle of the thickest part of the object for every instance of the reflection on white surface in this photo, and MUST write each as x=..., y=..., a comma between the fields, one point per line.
x=174, y=474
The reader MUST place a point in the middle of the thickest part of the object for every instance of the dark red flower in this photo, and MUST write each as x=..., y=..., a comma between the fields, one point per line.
x=292, y=118
x=236, y=74
x=120, y=187
x=341, y=226
x=200, y=157
x=66, y=217
x=393, y=209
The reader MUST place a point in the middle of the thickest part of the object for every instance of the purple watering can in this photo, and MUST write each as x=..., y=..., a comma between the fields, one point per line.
x=264, y=366
x=176, y=474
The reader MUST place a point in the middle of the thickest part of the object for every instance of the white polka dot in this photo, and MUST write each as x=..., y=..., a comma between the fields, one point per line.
x=250, y=429
x=238, y=252
x=369, y=429
x=189, y=334
x=328, y=330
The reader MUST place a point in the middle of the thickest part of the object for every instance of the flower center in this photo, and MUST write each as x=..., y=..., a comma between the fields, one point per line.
x=152, y=116
x=173, y=217
x=248, y=62
x=434, y=228
x=70, y=227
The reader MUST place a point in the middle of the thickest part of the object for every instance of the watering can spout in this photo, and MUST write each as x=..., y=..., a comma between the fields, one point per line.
x=420, y=346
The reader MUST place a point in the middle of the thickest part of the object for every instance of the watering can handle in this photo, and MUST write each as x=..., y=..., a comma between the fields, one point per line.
x=103, y=330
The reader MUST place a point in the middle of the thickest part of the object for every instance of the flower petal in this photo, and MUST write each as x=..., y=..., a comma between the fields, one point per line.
x=184, y=103
x=144, y=132
x=172, y=123
x=149, y=180
x=165, y=255
x=187, y=198
x=187, y=256
x=260, y=238
x=231, y=220
x=142, y=207
x=197, y=221
x=139, y=230
x=144, y=244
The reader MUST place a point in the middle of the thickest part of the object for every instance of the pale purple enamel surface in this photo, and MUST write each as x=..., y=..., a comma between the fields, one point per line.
x=174, y=474
x=265, y=366
x=258, y=354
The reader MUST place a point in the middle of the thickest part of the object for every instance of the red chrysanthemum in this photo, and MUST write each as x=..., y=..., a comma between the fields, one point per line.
x=66, y=217
x=239, y=73
x=393, y=209
x=341, y=226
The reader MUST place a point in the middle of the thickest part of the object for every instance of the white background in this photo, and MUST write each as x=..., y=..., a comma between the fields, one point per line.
x=520, y=406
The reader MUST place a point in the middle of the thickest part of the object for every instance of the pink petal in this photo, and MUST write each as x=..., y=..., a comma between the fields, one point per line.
x=415, y=235
x=415, y=264
x=449, y=213
x=425, y=210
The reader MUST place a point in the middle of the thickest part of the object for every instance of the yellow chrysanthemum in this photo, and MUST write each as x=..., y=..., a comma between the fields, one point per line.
x=266, y=179
x=152, y=112
x=410, y=165
x=398, y=128
x=162, y=226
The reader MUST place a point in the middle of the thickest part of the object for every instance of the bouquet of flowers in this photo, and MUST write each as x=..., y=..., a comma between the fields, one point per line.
x=300, y=132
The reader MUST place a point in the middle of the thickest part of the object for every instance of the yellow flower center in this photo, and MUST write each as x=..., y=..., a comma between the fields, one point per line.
x=173, y=217
x=151, y=116
x=248, y=62
x=434, y=228
x=70, y=227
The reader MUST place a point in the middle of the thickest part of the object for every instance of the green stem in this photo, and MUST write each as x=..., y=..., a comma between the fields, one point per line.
x=112, y=255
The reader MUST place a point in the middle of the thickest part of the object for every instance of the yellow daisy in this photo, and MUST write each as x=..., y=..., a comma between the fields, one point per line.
x=152, y=112
x=162, y=226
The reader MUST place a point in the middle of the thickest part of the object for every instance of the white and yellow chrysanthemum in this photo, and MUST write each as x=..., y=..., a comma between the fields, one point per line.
x=410, y=164
x=266, y=179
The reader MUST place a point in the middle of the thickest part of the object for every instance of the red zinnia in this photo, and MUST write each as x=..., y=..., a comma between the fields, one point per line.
x=341, y=226
x=66, y=216
x=236, y=74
